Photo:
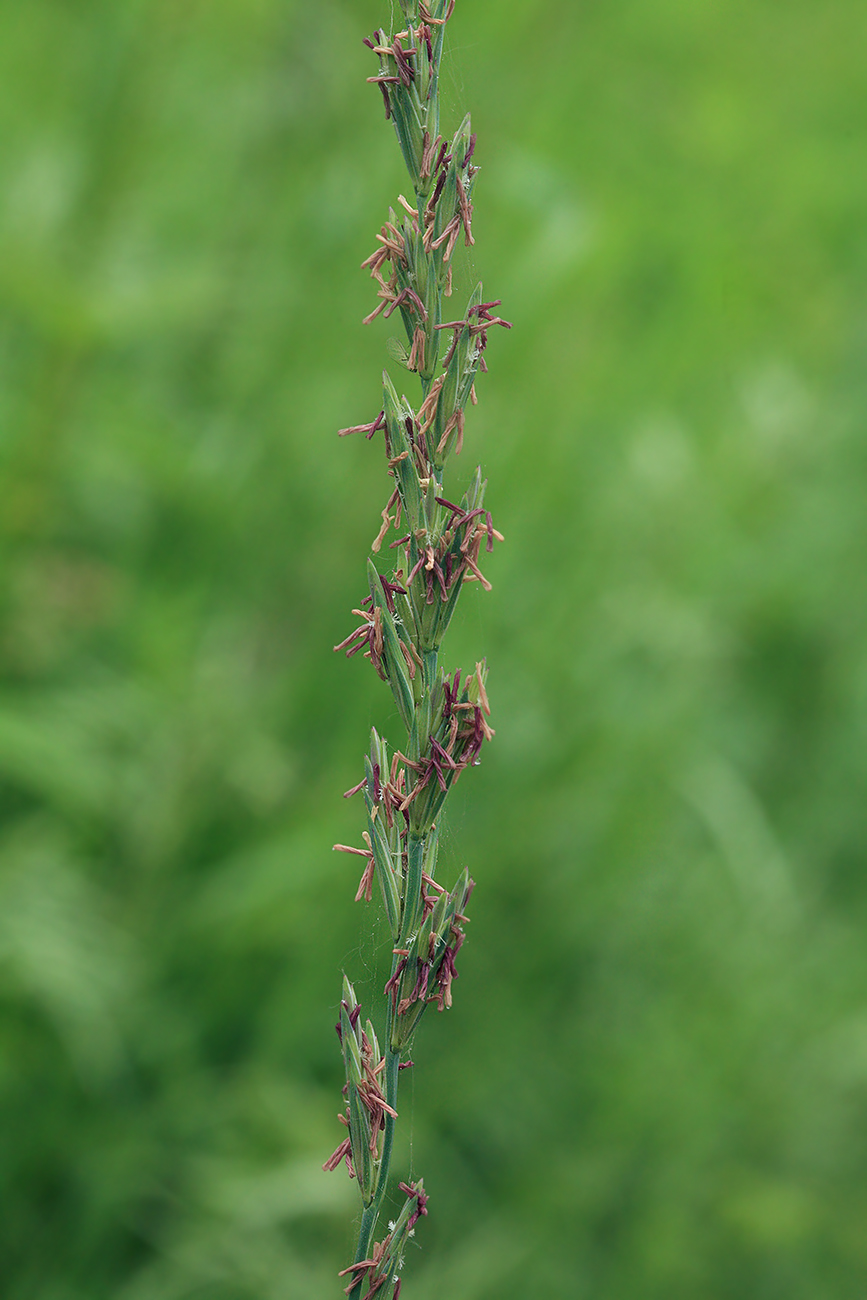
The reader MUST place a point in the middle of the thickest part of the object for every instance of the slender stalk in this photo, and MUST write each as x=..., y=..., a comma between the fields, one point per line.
x=405, y=617
x=371, y=1213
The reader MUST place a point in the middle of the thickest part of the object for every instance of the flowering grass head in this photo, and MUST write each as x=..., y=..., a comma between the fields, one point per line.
x=442, y=538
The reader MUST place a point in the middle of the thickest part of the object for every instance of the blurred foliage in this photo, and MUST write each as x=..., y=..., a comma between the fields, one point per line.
x=654, y=1080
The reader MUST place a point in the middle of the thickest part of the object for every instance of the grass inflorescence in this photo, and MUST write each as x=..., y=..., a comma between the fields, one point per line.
x=404, y=615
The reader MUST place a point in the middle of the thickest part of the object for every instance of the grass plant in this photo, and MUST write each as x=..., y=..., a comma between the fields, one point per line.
x=405, y=615
x=653, y=1080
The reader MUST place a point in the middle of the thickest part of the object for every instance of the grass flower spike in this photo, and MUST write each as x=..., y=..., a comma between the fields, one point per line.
x=441, y=538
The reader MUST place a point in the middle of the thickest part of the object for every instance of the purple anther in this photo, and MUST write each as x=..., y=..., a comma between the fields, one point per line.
x=442, y=501
x=420, y=307
x=442, y=755
x=392, y=984
x=415, y=568
x=438, y=189
x=389, y=588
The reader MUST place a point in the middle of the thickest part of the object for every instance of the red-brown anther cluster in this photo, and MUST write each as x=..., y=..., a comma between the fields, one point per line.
x=447, y=972
x=468, y=729
x=402, y=57
x=444, y=565
x=394, y=790
x=389, y=794
x=393, y=983
x=368, y=429
x=425, y=13
x=370, y=1094
x=444, y=970
x=343, y=1152
x=365, y=887
x=368, y=634
x=434, y=163
x=419, y=990
x=472, y=539
x=383, y=81
x=392, y=248
x=389, y=589
x=427, y=898
x=369, y=1268
x=462, y=218
x=477, y=328
x=481, y=326
x=421, y=1200
x=406, y=73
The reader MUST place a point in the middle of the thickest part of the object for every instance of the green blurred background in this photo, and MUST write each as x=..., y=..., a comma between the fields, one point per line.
x=654, y=1080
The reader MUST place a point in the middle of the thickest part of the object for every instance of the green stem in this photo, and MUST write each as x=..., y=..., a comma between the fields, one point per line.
x=371, y=1213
